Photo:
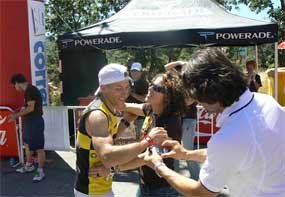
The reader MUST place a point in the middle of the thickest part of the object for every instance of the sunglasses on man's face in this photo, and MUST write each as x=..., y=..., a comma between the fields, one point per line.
x=158, y=88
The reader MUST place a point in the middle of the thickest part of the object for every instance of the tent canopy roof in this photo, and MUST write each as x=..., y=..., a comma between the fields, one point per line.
x=144, y=23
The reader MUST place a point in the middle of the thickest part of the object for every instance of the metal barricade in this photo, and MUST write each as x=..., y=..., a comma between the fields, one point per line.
x=76, y=112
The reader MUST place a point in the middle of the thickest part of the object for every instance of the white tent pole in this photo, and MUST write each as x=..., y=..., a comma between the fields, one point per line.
x=276, y=72
x=256, y=57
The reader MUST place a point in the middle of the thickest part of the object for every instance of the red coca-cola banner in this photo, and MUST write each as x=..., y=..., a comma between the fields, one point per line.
x=8, y=135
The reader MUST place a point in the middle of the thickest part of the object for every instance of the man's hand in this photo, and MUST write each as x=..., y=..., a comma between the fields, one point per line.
x=150, y=157
x=176, y=150
x=158, y=135
x=99, y=170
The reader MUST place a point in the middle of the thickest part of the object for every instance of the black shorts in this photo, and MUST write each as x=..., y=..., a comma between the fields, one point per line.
x=34, y=132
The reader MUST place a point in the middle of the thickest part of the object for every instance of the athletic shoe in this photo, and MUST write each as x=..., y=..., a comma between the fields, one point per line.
x=39, y=176
x=25, y=169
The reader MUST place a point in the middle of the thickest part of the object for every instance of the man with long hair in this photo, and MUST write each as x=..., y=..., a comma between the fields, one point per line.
x=247, y=153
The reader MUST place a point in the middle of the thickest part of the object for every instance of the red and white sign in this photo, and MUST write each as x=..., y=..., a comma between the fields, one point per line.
x=8, y=135
x=206, y=126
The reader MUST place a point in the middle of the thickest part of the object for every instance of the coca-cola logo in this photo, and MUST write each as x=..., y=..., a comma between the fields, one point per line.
x=204, y=117
x=3, y=138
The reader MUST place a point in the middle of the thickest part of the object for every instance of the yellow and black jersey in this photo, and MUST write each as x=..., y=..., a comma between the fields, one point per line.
x=87, y=156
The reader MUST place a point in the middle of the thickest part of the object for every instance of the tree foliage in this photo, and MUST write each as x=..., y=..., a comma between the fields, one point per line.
x=277, y=14
x=69, y=15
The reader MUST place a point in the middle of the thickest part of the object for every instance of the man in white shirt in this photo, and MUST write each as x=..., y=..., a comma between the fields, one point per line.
x=248, y=153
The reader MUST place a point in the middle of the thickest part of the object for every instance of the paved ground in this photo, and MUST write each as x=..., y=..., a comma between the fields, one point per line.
x=60, y=173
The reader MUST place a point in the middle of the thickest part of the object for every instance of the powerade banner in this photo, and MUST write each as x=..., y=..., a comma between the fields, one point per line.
x=169, y=23
x=38, y=47
x=192, y=37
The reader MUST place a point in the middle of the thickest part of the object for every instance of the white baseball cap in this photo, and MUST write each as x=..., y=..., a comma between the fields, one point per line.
x=136, y=66
x=112, y=73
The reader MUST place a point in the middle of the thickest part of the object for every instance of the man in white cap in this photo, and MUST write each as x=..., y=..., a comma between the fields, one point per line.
x=97, y=128
x=140, y=86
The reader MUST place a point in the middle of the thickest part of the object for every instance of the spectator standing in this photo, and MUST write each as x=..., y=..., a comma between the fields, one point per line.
x=253, y=78
x=140, y=85
x=33, y=122
x=138, y=90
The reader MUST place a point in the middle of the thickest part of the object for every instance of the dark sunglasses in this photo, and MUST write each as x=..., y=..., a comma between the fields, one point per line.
x=158, y=88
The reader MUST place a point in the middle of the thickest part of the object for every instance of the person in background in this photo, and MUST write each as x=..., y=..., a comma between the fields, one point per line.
x=247, y=153
x=253, y=79
x=33, y=122
x=140, y=85
x=189, y=120
x=98, y=127
x=138, y=91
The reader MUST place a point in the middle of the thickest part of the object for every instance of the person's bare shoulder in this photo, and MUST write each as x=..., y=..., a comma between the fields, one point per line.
x=96, y=124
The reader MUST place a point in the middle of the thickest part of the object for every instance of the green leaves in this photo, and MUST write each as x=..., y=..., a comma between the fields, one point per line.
x=69, y=15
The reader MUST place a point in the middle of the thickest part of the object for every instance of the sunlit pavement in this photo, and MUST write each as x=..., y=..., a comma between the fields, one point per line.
x=60, y=173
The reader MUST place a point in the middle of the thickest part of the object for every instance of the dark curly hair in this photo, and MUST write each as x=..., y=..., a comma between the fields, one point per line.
x=173, y=85
x=210, y=77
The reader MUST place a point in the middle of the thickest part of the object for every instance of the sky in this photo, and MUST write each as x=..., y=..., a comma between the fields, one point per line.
x=246, y=12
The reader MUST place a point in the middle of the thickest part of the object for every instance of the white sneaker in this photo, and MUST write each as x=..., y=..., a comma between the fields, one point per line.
x=25, y=169
x=38, y=176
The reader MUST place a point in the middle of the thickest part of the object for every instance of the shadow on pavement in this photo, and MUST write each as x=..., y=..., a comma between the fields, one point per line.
x=58, y=182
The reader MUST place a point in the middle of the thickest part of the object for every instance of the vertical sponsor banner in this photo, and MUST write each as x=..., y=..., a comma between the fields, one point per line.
x=36, y=14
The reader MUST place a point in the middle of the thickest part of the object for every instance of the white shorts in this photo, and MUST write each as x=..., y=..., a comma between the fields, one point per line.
x=80, y=194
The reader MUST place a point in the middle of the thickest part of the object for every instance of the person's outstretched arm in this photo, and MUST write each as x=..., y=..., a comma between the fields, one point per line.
x=135, y=108
x=96, y=124
x=171, y=65
x=184, y=185
x=177, y=151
